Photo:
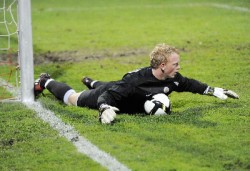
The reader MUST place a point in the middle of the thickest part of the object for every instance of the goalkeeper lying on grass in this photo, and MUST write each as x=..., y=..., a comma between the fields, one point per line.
x=129, y=94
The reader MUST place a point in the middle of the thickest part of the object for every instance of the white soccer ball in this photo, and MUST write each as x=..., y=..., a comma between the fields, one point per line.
x=158, y=105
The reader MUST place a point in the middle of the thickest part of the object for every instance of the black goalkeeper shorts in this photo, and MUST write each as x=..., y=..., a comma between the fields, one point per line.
x=88, y=98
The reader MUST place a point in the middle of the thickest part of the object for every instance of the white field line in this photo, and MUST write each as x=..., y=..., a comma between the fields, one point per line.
x=233, y=8
x=82, y=144
x=81, y=9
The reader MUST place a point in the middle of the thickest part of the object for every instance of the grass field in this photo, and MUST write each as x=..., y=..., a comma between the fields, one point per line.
x=104, y=40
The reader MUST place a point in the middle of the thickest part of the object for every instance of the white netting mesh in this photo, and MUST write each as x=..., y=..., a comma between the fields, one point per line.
x=8, y=48
x=8, y=24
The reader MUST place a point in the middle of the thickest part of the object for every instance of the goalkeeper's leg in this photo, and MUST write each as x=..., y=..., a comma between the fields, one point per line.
x=68, y=95
x=65, y=93
x=92, y=84
x=62, y=92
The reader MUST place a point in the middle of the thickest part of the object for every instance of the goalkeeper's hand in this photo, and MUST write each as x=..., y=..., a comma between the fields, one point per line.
x=221, y=93
x=107, y=113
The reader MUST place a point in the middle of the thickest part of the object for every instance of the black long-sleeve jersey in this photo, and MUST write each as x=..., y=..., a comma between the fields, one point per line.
x=130, y=93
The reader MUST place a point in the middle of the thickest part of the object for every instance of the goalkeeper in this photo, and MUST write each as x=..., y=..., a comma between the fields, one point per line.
x=129, y=94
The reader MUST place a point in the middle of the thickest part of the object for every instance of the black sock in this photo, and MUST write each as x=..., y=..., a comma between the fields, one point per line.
x=42, y=82
x=58, y=89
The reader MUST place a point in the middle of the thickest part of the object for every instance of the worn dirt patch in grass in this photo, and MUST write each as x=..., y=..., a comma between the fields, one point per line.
x=77, y=56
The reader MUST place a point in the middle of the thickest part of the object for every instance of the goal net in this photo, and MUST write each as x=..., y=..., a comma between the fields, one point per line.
x=16, y=51
x=9, y=70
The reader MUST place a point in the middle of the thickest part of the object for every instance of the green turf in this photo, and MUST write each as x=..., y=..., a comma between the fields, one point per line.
x=27, y=143
x=203, y=133
x=112, y=25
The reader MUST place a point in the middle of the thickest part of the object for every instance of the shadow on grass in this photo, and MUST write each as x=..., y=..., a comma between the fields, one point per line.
x=189, y=116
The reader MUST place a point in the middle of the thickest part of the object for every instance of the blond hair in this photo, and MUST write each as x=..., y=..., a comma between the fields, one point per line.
x=160, y=54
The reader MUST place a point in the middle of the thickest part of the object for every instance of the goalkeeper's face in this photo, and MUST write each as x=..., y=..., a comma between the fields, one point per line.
x=172, y=66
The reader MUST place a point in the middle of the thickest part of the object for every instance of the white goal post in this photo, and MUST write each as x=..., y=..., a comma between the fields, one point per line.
x=26, y=51
x=14, y=33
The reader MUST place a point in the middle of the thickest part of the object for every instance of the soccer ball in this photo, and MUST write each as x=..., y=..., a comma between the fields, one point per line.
x=159, y=104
